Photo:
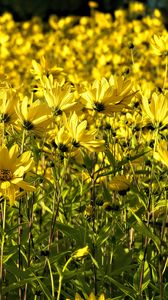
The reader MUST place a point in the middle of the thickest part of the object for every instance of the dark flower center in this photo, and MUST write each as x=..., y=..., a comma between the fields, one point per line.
x=5, y=118
x=62, y=147
x=5, y=175
x=57, y=111
x=99, y=106
x=28, y=125
x=75, y=143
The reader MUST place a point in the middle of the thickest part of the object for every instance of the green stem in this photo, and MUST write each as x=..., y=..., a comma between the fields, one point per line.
x=19, y=243
x=23, y=140
x=61, y=277
x=2, y=245
x=51, y=277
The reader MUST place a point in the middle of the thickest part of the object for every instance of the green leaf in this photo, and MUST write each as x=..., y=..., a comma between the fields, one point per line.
x=111, y=158
x=88, y=162
x=44, y=288
x=126, y=290
x=146, y=275
x=145, y=231
x=94, y=261
x=16, y=285
x=103, y=236
x=7, y=257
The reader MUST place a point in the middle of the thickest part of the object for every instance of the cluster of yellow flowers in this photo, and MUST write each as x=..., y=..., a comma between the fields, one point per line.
x=81, y=85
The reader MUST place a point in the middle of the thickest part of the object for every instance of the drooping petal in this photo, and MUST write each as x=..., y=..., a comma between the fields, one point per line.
x=26, y=186
x=4, y=158
x=11, y=193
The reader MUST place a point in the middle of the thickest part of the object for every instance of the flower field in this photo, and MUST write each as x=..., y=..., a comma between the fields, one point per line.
x=84, y=157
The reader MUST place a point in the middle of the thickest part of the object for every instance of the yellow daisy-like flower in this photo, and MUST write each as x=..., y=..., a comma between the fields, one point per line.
x=62, y=140
x=80, y=136
x=35, y=117
x=108, y=96
x=13, y=167
x=45, y=67
x=159, y=45
x=82, y=252
x=162, y=153
x=8, y=101
x=59, y=98
x=90, y=297
x=156, y=111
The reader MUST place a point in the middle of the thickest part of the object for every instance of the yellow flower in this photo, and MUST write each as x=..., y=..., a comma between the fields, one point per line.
x=81, y=252
x=156, y=112
x=159, y=45
x=93, y=297
x=35, y=117
x=45, y=67
x=80, y=136
x=93, y=4
x=78, y=297
x=8, y=101
x=59, y=98
x=13, y=167
x=90, y=297
x=109, y=96
x=62, y=140
x=162, y=153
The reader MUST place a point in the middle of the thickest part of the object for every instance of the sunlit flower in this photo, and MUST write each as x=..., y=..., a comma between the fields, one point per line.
x=80, y=136
x=59, y=98
x=13, y=168
x=8, y=101
x=45, y=67
x=156, y=110
x=62, y=140
x=82, y=252
x=108, y=96
x=159, y=45
x=90, y=297
x=34, y=117
x=161, y=153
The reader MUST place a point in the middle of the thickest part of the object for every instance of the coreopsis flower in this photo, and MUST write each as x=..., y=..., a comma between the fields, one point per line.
x=45, y=67
x=62, y=140
x=90, y=297
x=93, y=297
x=156, y=111
x=109, y=96
x=159, y=45
x=82, y=137
x=59, y=98
x=13, y=168
x=80, y=253
x=8, y=101
x=34, y=117
x=161, y=153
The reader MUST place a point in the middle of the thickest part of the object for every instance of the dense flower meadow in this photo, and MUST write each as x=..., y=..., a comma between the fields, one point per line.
x=84, y=157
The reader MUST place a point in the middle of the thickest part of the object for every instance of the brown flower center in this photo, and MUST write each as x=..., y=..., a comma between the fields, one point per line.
x=98, y=106
x=5, y=174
